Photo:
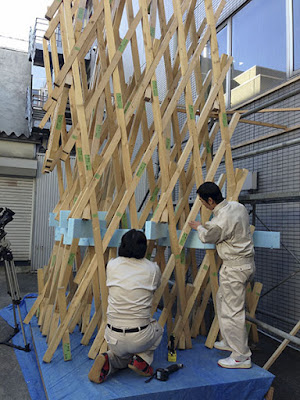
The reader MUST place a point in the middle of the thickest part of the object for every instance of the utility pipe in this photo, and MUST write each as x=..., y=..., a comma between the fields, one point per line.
x=270, y=103
x=276, y=331
x=269, y=148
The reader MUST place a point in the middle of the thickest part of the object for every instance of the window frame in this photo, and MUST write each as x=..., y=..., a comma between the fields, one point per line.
x=290, y=71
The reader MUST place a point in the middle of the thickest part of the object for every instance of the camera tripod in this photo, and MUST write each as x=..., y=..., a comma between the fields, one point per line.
x=13, y=290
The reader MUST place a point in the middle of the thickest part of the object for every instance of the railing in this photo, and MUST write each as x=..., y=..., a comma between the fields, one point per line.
x=34, y=107
x=36, y=36
x=38, y=99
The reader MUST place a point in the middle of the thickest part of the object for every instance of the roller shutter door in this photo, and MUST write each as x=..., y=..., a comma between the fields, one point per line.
x=17, y=194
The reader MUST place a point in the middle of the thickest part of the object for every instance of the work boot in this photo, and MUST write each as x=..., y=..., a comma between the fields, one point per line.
x=100, y=369
x=222, y=346
x=229, y=362
x=140, y=366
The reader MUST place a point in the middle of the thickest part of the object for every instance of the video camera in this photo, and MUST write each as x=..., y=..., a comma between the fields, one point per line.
x=5, y=217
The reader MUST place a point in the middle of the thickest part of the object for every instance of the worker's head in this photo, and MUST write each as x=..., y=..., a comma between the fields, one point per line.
x=210, y=194
x=133, y=244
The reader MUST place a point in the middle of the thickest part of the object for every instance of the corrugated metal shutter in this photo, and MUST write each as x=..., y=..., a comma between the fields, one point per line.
x=46, y=198
x=17, y=194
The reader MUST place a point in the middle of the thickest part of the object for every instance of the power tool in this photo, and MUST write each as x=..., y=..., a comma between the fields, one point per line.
x=162, y=374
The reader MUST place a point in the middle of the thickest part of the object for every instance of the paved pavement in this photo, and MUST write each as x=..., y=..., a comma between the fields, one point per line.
x=13, y=387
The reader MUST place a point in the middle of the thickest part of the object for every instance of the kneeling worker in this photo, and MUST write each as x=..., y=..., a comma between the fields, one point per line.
x=229, y=229
x=131, y=334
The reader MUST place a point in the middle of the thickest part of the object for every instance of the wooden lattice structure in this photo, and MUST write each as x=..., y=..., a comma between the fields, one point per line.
x=109, y=114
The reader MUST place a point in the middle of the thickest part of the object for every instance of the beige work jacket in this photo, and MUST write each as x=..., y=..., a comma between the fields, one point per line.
x=229, y=229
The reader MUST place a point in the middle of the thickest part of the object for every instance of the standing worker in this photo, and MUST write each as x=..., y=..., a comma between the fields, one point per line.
x=229, y=229
x=131, y=334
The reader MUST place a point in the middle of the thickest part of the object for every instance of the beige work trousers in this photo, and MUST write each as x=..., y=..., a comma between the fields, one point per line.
x=231, y=307
x=122, y=346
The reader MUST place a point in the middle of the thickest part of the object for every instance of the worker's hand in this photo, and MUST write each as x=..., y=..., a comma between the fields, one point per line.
x=194, y=224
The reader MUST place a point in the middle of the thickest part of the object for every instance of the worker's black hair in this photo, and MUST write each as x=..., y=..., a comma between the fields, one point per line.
x=210, y=189
x=133, y=244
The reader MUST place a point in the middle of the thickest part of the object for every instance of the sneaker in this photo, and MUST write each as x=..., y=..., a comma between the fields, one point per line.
x=222, y=346
x=229, y=362
x=140, y=366
x=100, y=369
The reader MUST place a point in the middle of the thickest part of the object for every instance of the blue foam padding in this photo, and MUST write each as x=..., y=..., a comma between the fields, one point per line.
x=201, y=377
x=154, y=231
x=52, y=220
x=268, y=240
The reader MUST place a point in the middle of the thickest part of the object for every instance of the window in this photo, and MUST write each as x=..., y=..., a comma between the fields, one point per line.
x=39, y=86
x=205, y=59
x=222, y=41
x=296, y=35
x=258, y=48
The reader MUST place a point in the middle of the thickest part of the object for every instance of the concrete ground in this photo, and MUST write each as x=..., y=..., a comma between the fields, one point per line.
x=13, y=387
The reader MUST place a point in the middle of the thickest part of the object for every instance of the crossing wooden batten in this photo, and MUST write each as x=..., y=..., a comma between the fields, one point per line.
x=144, y=120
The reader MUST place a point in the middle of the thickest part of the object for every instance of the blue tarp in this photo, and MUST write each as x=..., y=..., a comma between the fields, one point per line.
x=201, y=377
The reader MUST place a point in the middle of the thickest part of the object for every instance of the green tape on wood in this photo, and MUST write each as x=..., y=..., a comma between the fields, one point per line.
x=98, y=131
x=119, y=100
x=59, y=122
x=118, y=214
x=248, y=326
x=67, y=351
x=148, y=256
x=53, y=261
x=154, y=194
x=154, y=87
x=127, y=106
x=75, y=137
x=124, y=221
x=80, y=13
x=208, y=147
x=79, y=153
x=75, y=199
x=257, y=294
x=71, y=259
x=95, y=215
x=168, y=143
x=205, y=267
x=88, y=164
x=214, y=274
x=152, y=31
x=123, y=45
x=155, y=209
x=97, y=176
x=183, y=239
x=191, y=112
x=178, y=256
x=182, y=257
x=141, y=169
x=77, y=48
x=225, y=121
x=178, y=205
x=249, y=290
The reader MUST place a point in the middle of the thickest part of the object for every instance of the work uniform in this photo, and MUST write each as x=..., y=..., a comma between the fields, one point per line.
x=131, y=283
x=229, y=229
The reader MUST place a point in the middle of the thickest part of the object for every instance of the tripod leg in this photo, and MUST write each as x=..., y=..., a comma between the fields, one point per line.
x=14, y=291
x=22, y=327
